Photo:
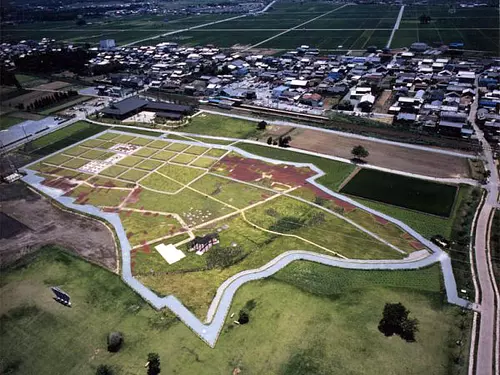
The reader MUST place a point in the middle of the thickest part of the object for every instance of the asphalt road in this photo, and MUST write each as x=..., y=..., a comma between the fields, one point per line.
x=487, y=349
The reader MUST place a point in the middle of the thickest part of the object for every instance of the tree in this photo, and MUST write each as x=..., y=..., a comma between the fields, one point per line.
x=396, y=321
x=115, y=341
x=270, y=140
x=425, y=19
x=243, y=317
x=104, y=370
x=153, y=364
x=262, y=125
x=284, y=141
x=359, y=152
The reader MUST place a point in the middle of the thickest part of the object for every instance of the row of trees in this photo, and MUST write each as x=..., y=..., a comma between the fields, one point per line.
x=281, y=141
x=48, y=100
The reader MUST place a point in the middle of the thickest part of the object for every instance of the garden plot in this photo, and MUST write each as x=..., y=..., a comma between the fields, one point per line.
x=125, y=148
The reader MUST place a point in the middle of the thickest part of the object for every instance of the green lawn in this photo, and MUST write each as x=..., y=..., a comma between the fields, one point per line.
x=292, y=217
x=308, y=319
x=159, y=144
x=231, y=192
x=203, y=162
x=158, y=182
x=179, y=173
x=163, y=155
x=113, y=171
x=133, y=175
x=140, y=227
x=98, y=197
x=65, y=137
x=196, y=150
x=420, y=195
x=8, y=121
x=144, y=152
x=336, y=172
x=183, y=158
x=149, y=165
x=130, y=161
x=222, y=126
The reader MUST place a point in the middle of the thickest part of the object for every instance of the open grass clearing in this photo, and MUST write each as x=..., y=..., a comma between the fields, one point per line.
x=158, y=182
x=183, y=158
x=203, y=162
x=179, y=173
x=224, y=126
x=216, y=152
x=194, y=208
x=334, y=332
x=75, y=151
x=98, y=197
x=159, y=144
x=123, y=138
x=75, y=163
x=64, y=137
x=230, y=192
x=92, y=143
x=142, y=227
x=149, y=165
x=57, y=159
x=113, y=171
x=97, y=154
x=8, y=121
x=130, y=161
x=110, y=182
x=133, y=175
x=145, y=152
x=292, y=217
x=141, y=141
x=420, y=195
x=108, y=136
x=196, y=150
x=163, y=155
x=177, y=147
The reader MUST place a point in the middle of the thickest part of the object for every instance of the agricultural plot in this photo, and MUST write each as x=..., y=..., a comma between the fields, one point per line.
x=425, y=196
x=258, y=209
x=476, y=28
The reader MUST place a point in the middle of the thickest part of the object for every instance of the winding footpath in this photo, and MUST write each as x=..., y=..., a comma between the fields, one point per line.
x=210, y=329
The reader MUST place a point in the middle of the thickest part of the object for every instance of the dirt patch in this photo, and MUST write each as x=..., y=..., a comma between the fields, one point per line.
x=48, y=224
x=56, y=85
x=252, y=170
x=383, y=155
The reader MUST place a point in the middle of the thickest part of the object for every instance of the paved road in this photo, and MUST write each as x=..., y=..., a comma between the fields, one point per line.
x=222, y=302
x=488, y=350
x=396, y=26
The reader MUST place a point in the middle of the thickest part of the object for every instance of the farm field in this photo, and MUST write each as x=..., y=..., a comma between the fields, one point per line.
x=425, y=196
x=345, y=307
x=253, y=206
x=223, y=126
x=352, y=27
x=477, y=28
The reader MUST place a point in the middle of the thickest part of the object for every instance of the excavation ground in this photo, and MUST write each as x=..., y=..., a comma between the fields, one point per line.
x=47, y=224
x=337, y=332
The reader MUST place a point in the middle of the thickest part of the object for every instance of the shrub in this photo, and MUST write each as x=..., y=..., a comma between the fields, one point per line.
x=115, y=341
x=104, y=370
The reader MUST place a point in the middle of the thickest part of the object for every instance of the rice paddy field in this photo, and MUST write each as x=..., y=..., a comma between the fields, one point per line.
x=425, y=196
x=326, y=26
x=336, y=333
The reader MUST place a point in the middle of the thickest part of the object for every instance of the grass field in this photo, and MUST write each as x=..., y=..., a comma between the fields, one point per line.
x=420, y=195
x=8, y=121
x=329, y=324
x=222, y=126
x=64, y=137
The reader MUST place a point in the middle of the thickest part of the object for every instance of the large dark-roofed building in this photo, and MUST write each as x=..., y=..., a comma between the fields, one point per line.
x=133, y=105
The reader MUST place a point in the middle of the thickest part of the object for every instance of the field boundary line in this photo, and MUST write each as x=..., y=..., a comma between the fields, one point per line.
x=349, y=178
